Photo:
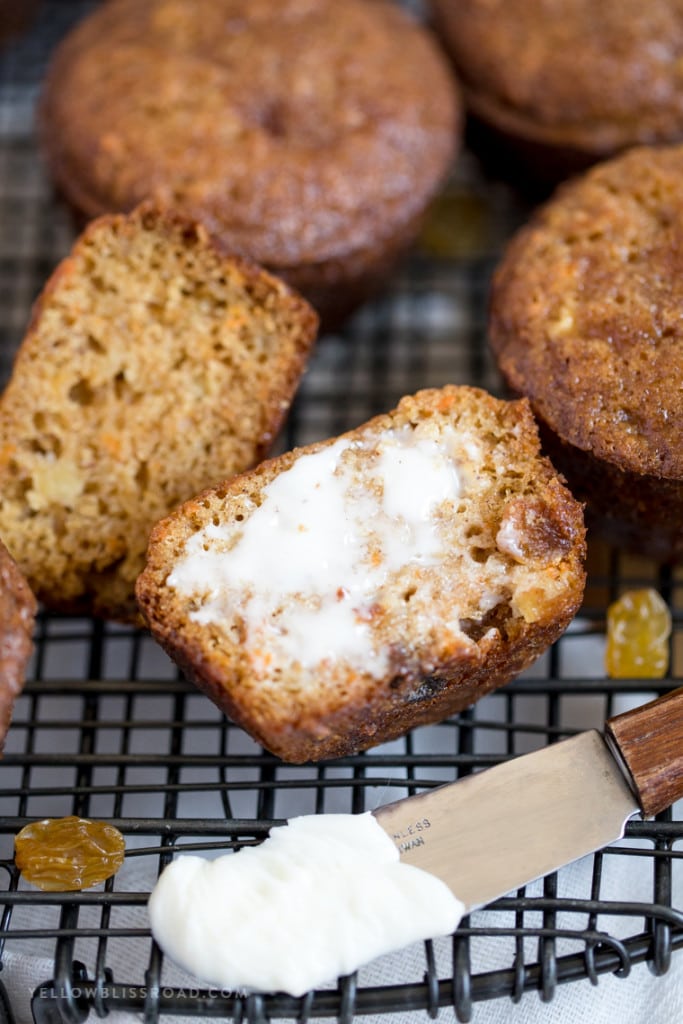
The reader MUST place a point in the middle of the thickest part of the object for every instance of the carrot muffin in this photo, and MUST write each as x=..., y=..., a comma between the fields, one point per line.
x=563, y=83
x=339, y=595
x=17, y=619
x=154, y=365
x=586, y=322
x=308, y=135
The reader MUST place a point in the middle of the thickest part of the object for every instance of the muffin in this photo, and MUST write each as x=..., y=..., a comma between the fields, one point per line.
x=154, y=365
x=17, y=620
x=343, y=593
x=308, y=135
x=555, y=85
x=585, y=321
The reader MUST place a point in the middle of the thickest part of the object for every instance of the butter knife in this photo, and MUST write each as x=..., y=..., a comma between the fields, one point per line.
x=494, y=831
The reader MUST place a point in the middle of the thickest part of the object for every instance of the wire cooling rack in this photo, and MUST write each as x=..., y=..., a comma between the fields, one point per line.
x=106, y=729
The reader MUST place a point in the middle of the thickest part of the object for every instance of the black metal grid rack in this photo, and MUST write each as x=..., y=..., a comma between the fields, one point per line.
x=106, y=728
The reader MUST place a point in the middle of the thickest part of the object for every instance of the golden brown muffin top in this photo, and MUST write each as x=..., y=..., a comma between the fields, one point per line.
x=296, y=129
x=604, y=73
x=587, y=312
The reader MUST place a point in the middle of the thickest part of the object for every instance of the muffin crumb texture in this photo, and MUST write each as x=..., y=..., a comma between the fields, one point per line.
x=153, y=366
x=345, y=592
x=17, y=620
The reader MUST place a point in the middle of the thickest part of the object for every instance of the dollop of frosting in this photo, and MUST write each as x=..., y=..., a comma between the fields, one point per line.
x=320, y=897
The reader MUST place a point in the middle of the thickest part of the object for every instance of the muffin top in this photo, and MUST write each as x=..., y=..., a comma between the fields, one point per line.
x=600, y=74
x=587, y=312
x=297, y=130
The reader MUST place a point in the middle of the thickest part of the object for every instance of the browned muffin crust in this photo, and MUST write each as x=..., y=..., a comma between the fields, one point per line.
x=17, y=619
x=586, y=322
x=153, y=365
x=507, y=582
x=569, y=82
x=306, y=134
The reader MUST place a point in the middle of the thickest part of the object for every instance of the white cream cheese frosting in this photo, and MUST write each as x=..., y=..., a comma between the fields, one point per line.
x=306, y=566
x=320, y=897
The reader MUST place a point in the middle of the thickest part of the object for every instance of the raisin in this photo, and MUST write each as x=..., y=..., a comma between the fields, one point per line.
x=63, y=854
x=455, y=227
x=638, y=631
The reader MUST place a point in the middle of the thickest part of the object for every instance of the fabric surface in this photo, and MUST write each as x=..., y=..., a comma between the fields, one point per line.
x=636, y=999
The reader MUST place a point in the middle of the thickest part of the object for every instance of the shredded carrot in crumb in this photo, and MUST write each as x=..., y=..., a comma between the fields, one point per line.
x=7, y=452
x=445, y=402
x=235, y=320
x=376, y=558
x=260, y=658
x=112, y=444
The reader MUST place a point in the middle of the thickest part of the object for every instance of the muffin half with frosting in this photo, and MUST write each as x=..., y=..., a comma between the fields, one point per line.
x=345, y=592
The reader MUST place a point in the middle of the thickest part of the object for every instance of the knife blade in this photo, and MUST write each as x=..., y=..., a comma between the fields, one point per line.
x=494, y=831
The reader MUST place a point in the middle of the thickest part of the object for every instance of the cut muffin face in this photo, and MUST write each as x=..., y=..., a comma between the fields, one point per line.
x=307, y=136
x=341, y=594
x=17, y=620
x=153, y=365
x=585, y=322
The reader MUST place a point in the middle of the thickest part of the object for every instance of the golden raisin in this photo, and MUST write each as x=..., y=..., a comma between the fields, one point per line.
x=455, y=226
x=63, y=854
x=638, y=631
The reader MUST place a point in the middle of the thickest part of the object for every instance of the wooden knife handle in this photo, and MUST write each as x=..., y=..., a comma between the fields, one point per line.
x=650, y=741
